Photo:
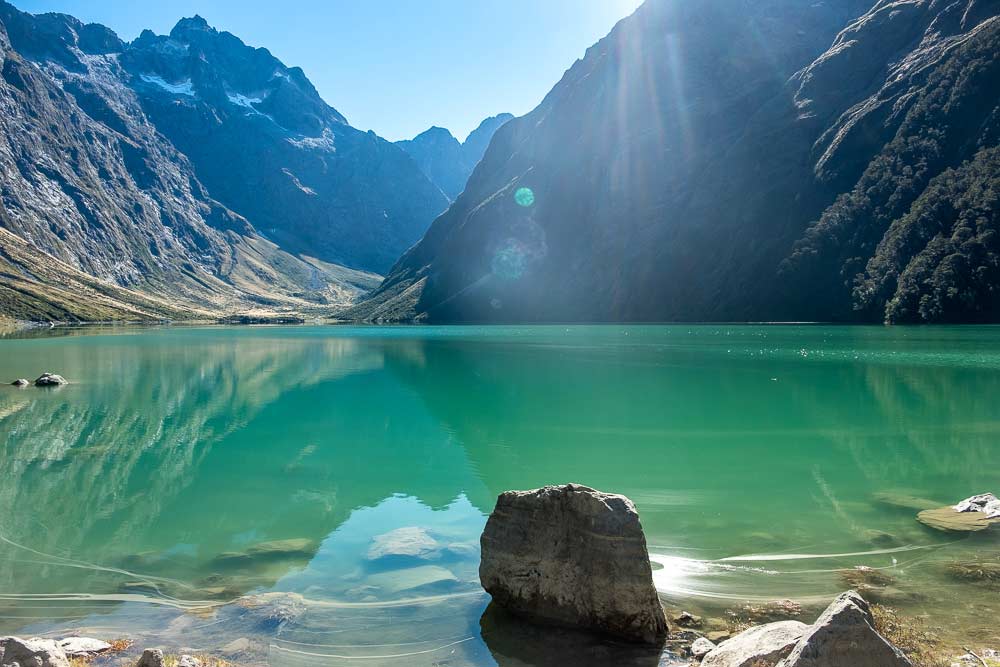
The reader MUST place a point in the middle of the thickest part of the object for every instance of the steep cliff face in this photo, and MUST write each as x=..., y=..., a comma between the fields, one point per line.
x=910, y=95
x=674, y=172
x=447, y=162
x=639, y=172
x=268, y=147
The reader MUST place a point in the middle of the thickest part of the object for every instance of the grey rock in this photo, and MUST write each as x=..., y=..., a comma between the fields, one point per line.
x=32, y=653
x=760, y=646
x=573, y=556
x=409, y=542
x=50, y=380
x=188, y=661
x=151, y=657
x=845, y=635
x=82, y=647
x=701, y=647
x=20, y=382
x=986, y=503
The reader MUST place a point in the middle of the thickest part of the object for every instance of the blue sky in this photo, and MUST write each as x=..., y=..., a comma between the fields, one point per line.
x=394, y=66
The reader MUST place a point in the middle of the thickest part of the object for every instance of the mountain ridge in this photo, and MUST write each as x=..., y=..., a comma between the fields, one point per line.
x=93, y=190
x=714, y=136
x=447, y=162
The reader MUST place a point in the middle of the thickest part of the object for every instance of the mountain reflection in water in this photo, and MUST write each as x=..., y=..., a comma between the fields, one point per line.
x=193, y=487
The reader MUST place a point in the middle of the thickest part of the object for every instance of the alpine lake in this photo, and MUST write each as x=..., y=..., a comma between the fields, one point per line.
x=314, y=495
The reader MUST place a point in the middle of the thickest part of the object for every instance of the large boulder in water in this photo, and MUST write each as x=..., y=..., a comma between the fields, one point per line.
x=572, y=556
x=31, y=653
x=843, y=635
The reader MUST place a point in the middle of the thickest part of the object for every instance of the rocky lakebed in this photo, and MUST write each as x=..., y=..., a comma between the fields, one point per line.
x=570, y=581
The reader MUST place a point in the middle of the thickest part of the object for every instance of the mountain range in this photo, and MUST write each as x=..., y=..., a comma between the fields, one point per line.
x=719, y=160
x=183, y=176
x=737, y=160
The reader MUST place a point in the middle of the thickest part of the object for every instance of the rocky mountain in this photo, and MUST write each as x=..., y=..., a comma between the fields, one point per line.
x=185, y=176
x=743, y=160
x=447, y=162
x=267, y=146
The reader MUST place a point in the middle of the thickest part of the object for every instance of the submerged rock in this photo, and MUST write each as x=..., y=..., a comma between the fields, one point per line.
x=978, y=571
x=50, y=380
x=267, y=552
x=16, y=652
x=903, y=501
x=83, y=647
x=20, y=382
x=151, y=657
x=845, y=635
x=270, y=612
x=409, y=542
x=573, y=556
x=970, y=515
x=413, y=579
x=760, y=646
x=863, y=575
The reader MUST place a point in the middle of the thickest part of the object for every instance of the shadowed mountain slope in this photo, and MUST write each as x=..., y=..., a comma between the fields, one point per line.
x=676, y=170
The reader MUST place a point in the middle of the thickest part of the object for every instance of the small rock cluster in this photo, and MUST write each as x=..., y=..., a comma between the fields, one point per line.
x=44, y=380
x=843, y=635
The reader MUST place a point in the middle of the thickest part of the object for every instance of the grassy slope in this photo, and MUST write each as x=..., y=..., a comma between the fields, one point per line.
x=37, y=287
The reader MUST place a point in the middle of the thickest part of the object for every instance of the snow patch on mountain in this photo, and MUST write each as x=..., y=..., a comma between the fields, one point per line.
x=185, y=87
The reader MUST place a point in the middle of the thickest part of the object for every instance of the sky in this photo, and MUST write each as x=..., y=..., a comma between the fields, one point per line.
x=394, y=66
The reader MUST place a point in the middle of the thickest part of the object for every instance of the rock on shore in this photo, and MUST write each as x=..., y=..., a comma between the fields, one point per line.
x=573, y=556
x=843, y=635
x=15, y=652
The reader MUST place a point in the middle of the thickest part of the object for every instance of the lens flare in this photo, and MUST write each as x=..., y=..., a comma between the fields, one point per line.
x=524, y=197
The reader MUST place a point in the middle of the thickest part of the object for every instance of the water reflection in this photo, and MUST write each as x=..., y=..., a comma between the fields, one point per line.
x=197, y=487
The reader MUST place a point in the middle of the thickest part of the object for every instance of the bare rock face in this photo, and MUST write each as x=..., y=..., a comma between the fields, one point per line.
x=31, y=653
x=760, y=646
x=572, y=556
x=845, y=635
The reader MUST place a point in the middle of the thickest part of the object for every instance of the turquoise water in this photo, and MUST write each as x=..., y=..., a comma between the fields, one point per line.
x=145, y=498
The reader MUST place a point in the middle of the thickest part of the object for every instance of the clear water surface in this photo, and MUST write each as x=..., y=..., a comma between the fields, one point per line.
x=195, y=487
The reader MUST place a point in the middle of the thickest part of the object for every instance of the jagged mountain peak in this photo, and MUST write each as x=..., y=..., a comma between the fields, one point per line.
x=447, y=161
x=187, y=25
x=58, y=37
